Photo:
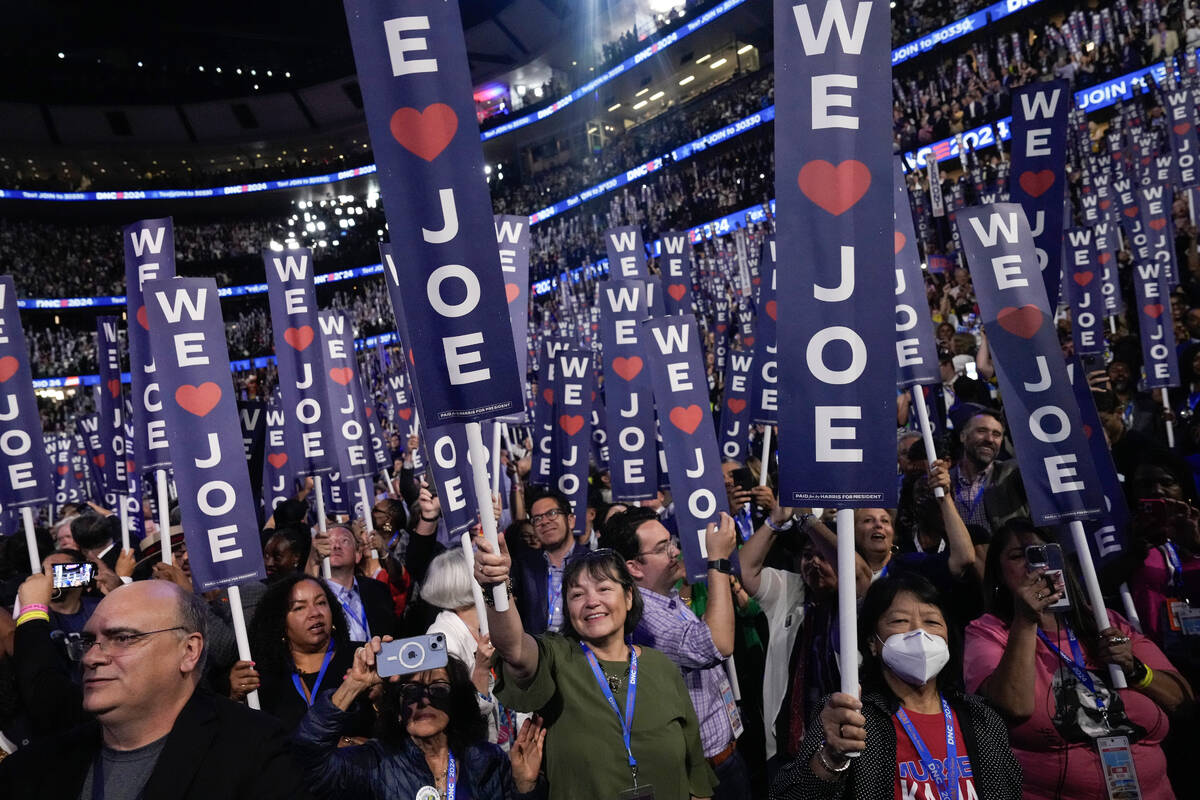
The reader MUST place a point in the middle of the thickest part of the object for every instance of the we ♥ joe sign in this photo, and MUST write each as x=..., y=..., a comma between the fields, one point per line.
x=203, y=431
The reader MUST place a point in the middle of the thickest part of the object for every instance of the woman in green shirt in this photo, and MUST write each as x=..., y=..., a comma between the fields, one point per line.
x=588, y=682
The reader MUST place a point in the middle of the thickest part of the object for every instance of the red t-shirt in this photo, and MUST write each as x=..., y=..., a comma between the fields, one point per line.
x=912, y=780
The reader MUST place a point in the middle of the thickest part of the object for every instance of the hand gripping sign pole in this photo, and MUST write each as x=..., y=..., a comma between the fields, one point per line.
x=1091, y=584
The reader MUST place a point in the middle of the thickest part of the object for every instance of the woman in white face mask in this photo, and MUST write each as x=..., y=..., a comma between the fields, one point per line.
x=914, y=733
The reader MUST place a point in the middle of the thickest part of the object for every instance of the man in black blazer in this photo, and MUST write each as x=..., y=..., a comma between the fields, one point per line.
x=366, y=602
x=151, y=732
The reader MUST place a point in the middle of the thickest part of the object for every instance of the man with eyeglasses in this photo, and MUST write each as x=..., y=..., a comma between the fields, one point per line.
x=697, y=646
x=150, y=732
x=537, y=573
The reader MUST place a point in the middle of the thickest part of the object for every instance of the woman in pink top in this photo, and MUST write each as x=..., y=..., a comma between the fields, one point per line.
x=1025, y=659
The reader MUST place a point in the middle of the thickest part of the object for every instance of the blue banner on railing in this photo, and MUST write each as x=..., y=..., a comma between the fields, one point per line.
x=948, y=33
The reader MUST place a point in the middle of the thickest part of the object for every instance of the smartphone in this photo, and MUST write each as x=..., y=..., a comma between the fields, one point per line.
x=406, y=656
x=73, y=576
x=743, y=478
x=1050, y=558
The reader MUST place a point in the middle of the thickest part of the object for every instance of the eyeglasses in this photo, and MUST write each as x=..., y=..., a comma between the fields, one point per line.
x=116, y=644
x=413, y=693
x=553, y=513
x=662, y=548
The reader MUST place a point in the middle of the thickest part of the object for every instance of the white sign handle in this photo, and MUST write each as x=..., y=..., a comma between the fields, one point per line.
x=483, y=498
x=847, y=602
x=926, y=433
x=164, y=515
x=243, y=640
x=1092, y=585
x=766, y=455
x=476, y=589
x=326, y=569
x=35, y=558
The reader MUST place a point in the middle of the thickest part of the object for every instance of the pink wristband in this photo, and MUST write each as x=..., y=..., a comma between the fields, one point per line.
x=34, y=607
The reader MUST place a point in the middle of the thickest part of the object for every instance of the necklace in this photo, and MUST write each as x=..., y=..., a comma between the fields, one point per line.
x=614, y=681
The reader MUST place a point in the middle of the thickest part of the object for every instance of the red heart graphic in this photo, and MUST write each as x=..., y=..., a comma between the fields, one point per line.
x=100, y=460
x=1083, y=278
x=770, y=309
x=1105, y=204
x=130, y=466
x=627, y=368
x=368, y=411
x=748, y=341
x=736, y=404
x=424, y=133
x=1024, y=321
x=1116, y=156
x=1105, y=258
x=548, y=396
x=1153, y=311
x=571, y=423
x=835, y=189
x=721, y=328
x=341, y=375
x=512, y=290
x=756, y=280
x=8, y=367
x=687, y=419
x=1145, y=160
x=1130, y=212
x=1035, y=184
x=1087, y=431
x=1182, y=128
x=277, y=460
x=198, y=400
x=1157, y=224
x=411, y=360
x=299, y=338
x=63, y=469
x=114, y=387
x=404, y=413
x=141, y=318
x=676, y=290
x=900, y=239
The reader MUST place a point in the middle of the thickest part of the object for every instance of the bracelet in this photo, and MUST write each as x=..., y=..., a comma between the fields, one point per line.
x=825, y=762
x=787, y=526
x=489, y=599
x=34, y=607
x=720, y=565
x=434, y=518
x=1145, y=681
x=27, y=616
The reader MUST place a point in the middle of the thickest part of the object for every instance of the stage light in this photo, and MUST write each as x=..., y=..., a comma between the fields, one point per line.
x=687, y=80
x=614, y=107
x=717, y=63
x=746, y=48
x=642, y=92
x=703, y=58
x=638, y=106
x=62, y=54
x=656, y=95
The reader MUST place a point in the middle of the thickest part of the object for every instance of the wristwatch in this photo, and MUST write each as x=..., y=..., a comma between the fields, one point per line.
x=722, y=565
x=488, y=599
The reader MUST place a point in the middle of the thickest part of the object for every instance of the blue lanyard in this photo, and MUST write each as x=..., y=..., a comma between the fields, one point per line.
x=302, y=690
x=361, y=619
x=1175, y=566
x=1075, y=664
x=626, y=720
x=553, y=598
x=451, y=777
x=946, y=780
x=974, y=502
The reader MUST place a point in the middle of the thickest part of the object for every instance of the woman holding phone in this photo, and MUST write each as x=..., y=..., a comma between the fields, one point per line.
x=1040, y=659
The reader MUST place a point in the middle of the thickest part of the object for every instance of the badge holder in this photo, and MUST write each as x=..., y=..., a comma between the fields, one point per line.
x=1120, y=776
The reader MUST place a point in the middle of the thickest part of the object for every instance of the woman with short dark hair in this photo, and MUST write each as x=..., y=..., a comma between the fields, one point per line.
x=618, y=717
x=431, y=741
x=913, y=722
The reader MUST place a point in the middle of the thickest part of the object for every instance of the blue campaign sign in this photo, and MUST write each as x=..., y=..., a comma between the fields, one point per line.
x=765, y=385
x=575, y=390
x=626, y=253
x=675, y=266
x=513, y=238
x=205, y=436
x=676, y=365
x=347, y=415
x=448, y=460
x=293, y=301
x=628, y=396
x=836, y=338
x=1084, y=288
x=448, y=285
x=149, y=254
x=1038, y=180
x=110, y=407
x=1052, y=449
x=735, y=406
x=916, y=350
x=1106, y=242
x=24, y=467
x=1160, y=361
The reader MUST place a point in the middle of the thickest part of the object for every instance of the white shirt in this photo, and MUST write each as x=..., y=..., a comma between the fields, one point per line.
x=781, y=596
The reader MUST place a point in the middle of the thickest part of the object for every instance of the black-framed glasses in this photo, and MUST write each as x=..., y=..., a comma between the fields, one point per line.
x=553, y=513
x=413, y=693
x=118, y=643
